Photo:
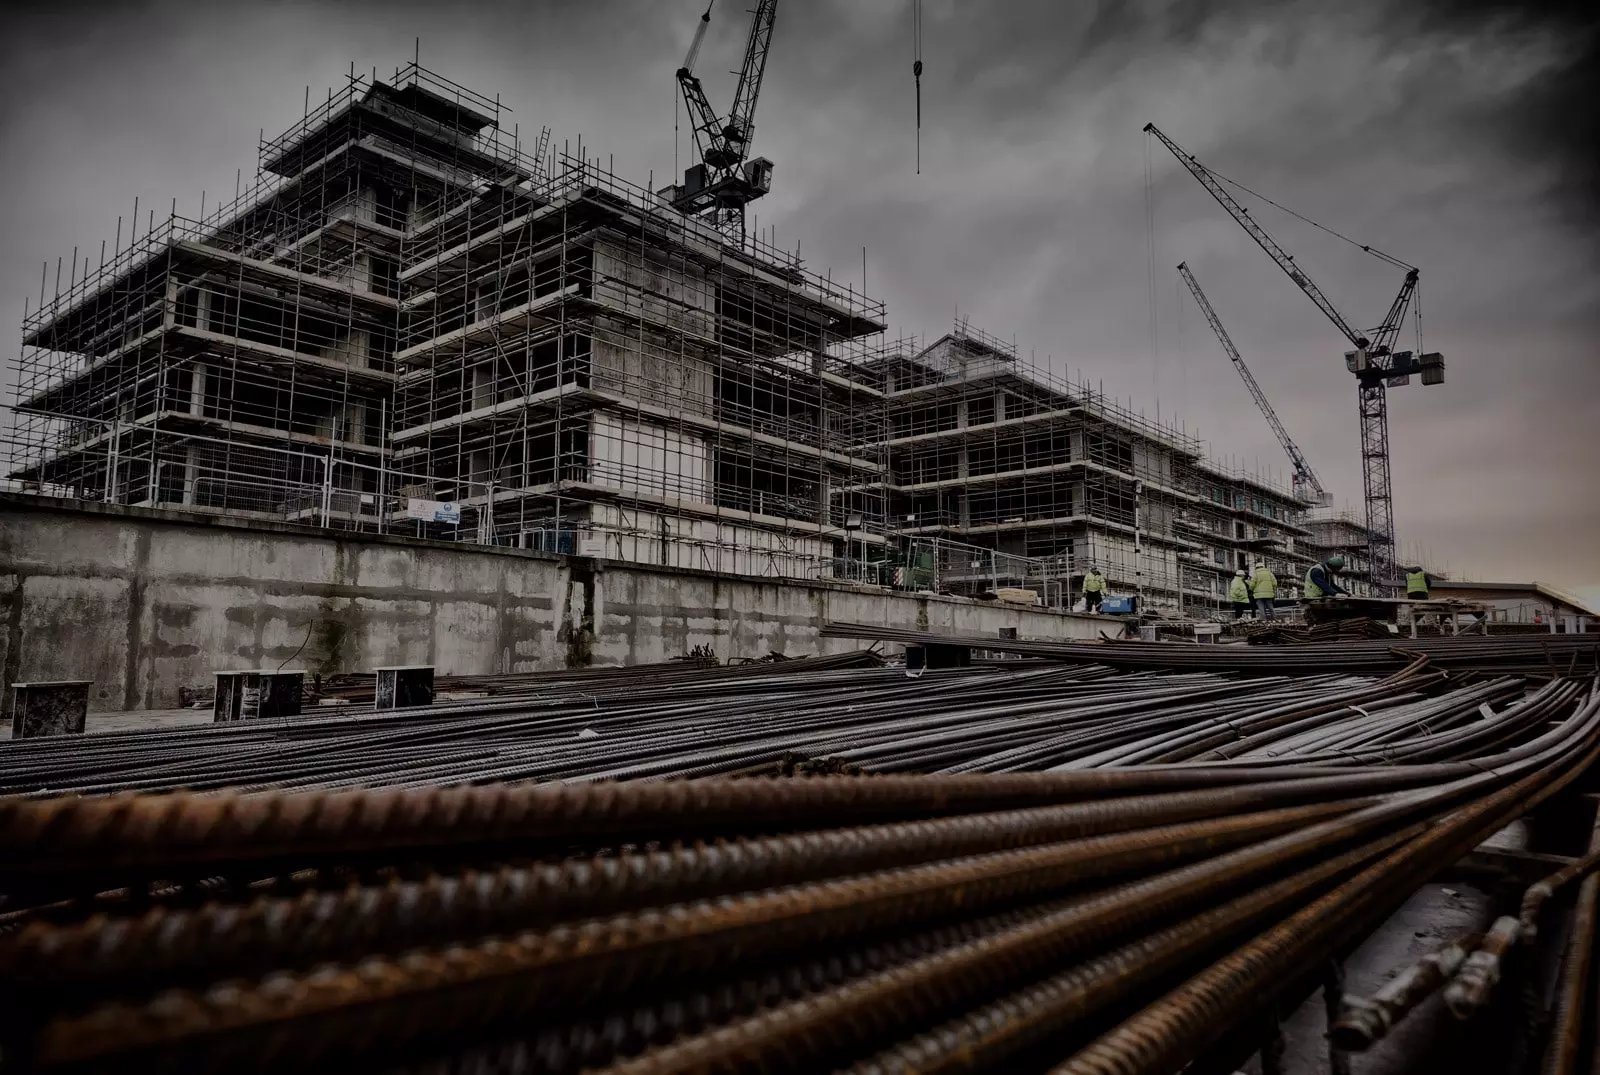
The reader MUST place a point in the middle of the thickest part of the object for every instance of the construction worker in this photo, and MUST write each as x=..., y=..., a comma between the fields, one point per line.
x=1418, y=583
x=1320, y=581
x=1094, y=588
x=1239, y=594
x=1264, y=588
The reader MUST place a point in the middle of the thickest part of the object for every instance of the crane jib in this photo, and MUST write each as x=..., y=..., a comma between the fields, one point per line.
x=1374, y=361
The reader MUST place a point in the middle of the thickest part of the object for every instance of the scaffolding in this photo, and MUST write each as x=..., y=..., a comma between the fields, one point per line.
x=408, y=324
x=1054, y=477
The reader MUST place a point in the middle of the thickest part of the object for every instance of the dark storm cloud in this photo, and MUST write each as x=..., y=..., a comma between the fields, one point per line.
x=1459, y=136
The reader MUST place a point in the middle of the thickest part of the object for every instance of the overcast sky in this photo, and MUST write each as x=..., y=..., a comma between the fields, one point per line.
x=1460, y=137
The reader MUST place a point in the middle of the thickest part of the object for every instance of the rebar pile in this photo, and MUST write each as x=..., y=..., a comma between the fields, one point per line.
x=1097, y=921
x=1546, y=654
x=1016, y=716
x=1270, y=633
x=1066, y=867
x=360, y=687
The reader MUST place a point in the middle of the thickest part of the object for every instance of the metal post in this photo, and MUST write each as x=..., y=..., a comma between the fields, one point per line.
x=327, y=485
x=1138, y=550
x=383, y=466
x=112, y=461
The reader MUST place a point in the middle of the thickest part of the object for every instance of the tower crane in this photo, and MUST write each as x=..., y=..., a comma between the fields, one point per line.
x=1306, y=485
x=1374, y=362
x=722, y=182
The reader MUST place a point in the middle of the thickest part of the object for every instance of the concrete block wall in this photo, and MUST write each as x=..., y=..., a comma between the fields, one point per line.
x=148, y=601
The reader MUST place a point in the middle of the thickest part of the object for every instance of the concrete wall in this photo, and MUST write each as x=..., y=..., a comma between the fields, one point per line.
x=147, y=601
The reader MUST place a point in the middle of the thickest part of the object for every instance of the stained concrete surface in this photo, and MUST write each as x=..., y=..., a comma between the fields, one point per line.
x=148, y=602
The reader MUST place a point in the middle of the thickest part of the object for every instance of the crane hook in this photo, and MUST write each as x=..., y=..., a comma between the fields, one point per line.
x=916, y=71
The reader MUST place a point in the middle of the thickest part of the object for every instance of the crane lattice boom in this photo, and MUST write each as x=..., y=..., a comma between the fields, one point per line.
x=719, y=187
x=1305, y=479
x=1374, y=363
x=1278, y=254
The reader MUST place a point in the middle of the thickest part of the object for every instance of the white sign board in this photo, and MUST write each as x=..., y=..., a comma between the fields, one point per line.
x=433, y=511
x=592, y=545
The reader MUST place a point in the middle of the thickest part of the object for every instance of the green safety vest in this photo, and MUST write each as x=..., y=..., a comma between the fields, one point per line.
x=1417, y=582
x=1094, y=583
x=1265, y=584
x=1238, y=591
x=1311, y=588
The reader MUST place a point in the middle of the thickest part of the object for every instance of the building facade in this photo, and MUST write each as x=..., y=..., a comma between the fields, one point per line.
x=413, y=322
x=986, y=453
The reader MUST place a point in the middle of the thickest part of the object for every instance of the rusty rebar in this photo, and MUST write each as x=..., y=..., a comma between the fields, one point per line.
x=990, y=1037
x=174, y=944
x=381, y=1004
x=96, y=836
x=1166, y=1033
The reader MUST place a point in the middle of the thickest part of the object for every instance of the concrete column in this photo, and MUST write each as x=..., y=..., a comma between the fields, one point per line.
x=479, y=462
x=169, y=312
x=191, y=474
x=482, y=385
x=202, y=306
x=198, y=375
x=358, y=349
x=361, y=271
x=355, y=422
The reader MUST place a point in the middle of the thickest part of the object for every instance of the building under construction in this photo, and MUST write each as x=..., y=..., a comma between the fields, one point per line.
x=412, y=322
x=988, y=451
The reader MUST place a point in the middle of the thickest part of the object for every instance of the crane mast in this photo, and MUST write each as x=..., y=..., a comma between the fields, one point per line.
x=1306, y=484
x=1374, y=362
x=723, y=182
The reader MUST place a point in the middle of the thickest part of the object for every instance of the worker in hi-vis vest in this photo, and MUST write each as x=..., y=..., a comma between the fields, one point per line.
x=1418, y=583
x=1320, y=581
x=1094, y=587
x=1239, y=594
x=1264, y=588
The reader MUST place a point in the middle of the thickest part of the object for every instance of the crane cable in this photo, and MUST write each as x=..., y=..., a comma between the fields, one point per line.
x=916, y=70
x=1374, y=251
